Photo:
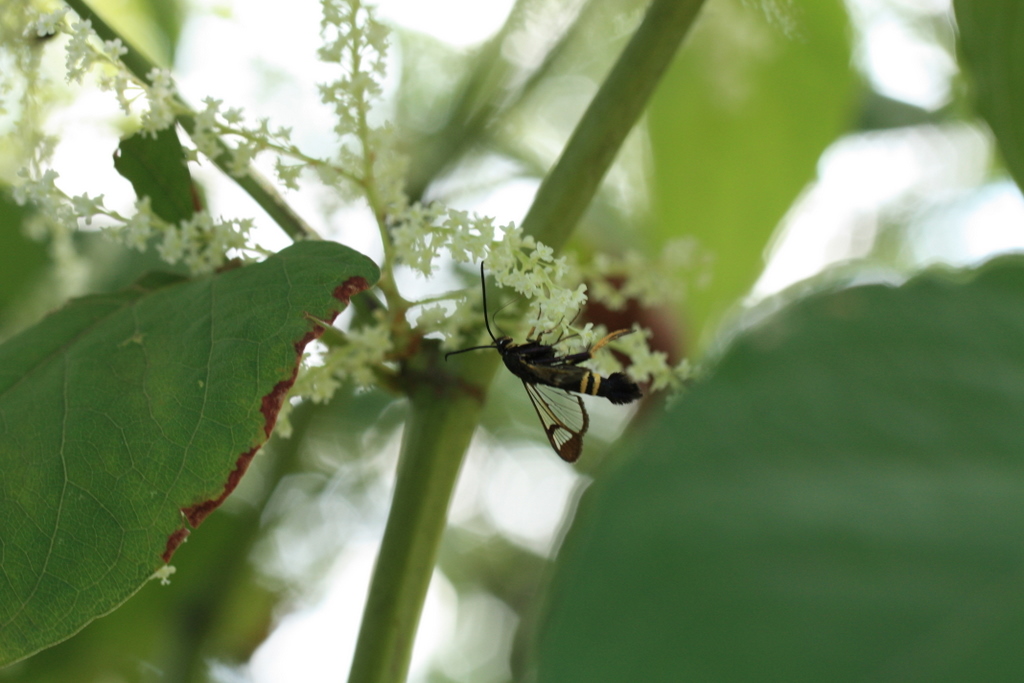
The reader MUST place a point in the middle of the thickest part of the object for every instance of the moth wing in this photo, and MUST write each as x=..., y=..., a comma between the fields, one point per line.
x=563, y=417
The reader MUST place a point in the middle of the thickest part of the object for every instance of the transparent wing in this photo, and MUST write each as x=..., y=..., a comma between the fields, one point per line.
x=563, y=417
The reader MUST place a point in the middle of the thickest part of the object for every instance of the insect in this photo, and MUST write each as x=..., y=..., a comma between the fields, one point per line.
x=549, y=378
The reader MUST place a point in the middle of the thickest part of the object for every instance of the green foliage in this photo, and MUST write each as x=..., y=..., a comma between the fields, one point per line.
x=992, y=39
x=156, y=168
x=23, y=259
x=834, y=499
x=736, y=131
x=838, y=500
x=126, y=415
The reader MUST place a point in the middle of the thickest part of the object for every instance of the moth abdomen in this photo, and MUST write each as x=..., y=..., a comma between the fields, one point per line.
x=618, y=389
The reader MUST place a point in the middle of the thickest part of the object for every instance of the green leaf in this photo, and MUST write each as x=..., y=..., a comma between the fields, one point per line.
x=991, y=47
x=737, y=127
x=126, y=418
x=23, y=260
x=157, y=169
x=840, y=500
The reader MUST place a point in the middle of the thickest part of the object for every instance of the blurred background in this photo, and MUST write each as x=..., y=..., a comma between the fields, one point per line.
x=791, y=138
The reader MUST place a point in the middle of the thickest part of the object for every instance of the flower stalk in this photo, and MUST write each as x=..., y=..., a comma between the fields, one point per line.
x=255, y=185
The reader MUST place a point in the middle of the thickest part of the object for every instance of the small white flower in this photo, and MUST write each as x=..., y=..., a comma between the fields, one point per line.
x=288, y=174
x=663, y=280
x=79, y=55
x=173, y=246
x=365, y=350
x=284, y=134
x=164, y=573
x=204, y=136
x=233, y=115
x=241, y=159
x=87, y=207
x=48, y=24
x=114, y=49
x=139, y=228
x=162, y=96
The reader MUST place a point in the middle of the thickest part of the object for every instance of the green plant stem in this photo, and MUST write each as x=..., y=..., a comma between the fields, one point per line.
x=252, y=182
x=444, y=409
x=443, y=415
x=571, y=185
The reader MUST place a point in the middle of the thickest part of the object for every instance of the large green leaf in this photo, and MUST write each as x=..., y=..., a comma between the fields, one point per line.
x=737, y=126
x=842, y=499
x=127, y=418
x=991, y=50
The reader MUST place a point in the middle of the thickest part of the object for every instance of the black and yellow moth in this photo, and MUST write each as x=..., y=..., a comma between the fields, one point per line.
x=553, y=382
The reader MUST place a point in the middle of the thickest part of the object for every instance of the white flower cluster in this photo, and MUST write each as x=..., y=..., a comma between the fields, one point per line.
x=421, y=233
x=645, y=365
x=47, y=23
x=212, y=125
x=162, y=95
x=50, y=202
x=616, y=279
x=358, y=43
x=85, y=51
x=530, y=268
x=363, y=354
x=201, y=242
x=367, y=161
x=364, y=351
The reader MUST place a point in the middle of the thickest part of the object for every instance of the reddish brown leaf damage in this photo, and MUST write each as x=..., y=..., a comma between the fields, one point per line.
x=173, y=541
x=270, y=407
x=349, y=288
x=197, y=513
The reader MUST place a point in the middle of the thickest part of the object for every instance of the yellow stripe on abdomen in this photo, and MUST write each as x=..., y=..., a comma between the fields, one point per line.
x=590, y=383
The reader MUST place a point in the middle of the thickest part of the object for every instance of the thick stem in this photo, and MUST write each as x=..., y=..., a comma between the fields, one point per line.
x=444, y=411
x=571, y=185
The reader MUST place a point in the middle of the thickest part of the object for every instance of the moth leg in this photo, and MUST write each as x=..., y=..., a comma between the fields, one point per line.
x=577, y=358
x=608, y=338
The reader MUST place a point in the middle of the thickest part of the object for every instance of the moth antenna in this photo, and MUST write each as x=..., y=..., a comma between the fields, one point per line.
x=483, y=287
x=472, y=348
